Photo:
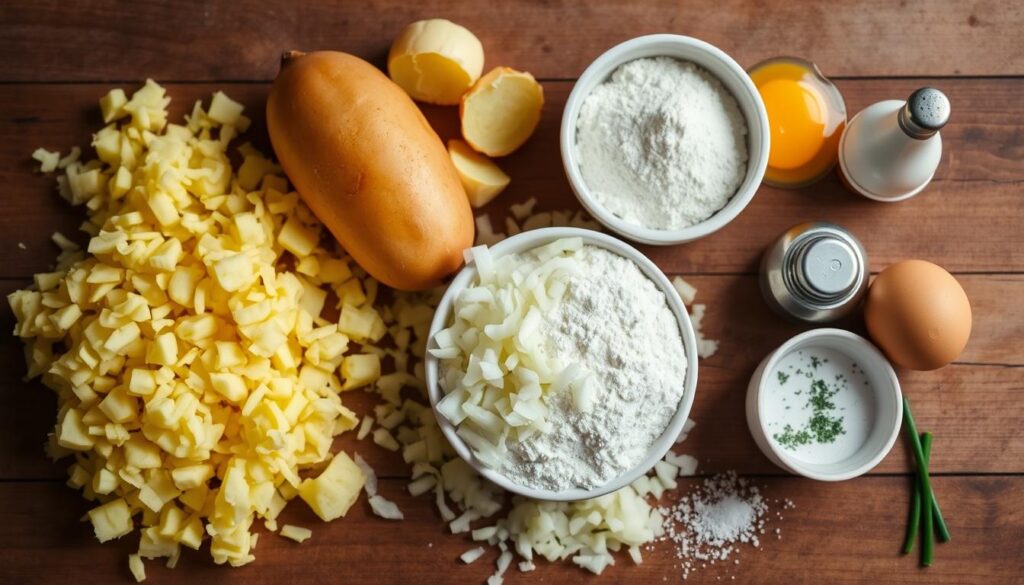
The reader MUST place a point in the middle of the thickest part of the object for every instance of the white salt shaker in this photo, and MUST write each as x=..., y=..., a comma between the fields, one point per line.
x=890, y=150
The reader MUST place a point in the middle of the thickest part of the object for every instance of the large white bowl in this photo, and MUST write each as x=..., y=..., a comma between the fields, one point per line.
x=888, y=405
x=716, y=62
x=522, y=243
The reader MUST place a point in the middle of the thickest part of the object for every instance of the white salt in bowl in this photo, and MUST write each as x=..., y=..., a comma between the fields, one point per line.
x=733, y=78
x=886, y=412
x=524, y=242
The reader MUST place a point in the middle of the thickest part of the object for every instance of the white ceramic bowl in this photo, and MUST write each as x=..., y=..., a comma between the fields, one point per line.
x=522, y=243
x=716, y=62
x=888, y=407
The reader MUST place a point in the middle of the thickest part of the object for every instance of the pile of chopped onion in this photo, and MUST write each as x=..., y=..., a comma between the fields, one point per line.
x=494, y=370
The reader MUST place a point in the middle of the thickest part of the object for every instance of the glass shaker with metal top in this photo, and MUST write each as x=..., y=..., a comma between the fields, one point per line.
x=891, y=149
x=815, y=273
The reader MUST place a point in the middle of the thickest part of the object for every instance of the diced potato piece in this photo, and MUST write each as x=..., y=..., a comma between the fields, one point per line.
x=104, y=482
x=501, y=111
x=111, y=520
x=296, y=533
x=192, y=534
x=137, y=568
x=332, y=493
x=112, y=105
x=333, y=270
x=297, y=238
x=73, y=433
x=140, y=453
x=158, y=491
x=120, y=183
x=119, y=406
x=163, y=350
x=360, y=370
x=192, y=476
x=235, y=272
x=481, y=178
x=360, y=323
x=47, y=159
x=436, y=61
x=231, y=386
x=107, y=143
x=163, y=208
x=141, y=382
x=350, y=292
x=224, y=109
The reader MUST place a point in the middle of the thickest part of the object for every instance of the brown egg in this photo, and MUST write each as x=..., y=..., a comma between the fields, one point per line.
x=918, y=314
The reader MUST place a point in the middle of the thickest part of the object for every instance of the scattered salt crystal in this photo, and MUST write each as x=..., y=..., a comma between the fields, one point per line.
x=708, y=524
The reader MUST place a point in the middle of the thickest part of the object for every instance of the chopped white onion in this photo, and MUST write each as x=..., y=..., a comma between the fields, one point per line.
x=666, y=473
x=485, y=533
x=422, y=485
x=385, y=508
x=687, y=292
x=472, y=555
x=687, y=464
x=371, y=478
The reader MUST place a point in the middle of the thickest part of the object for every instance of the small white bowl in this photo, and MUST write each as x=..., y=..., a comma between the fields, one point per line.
x=527, y=241
x=716, y=62
x=888, y=406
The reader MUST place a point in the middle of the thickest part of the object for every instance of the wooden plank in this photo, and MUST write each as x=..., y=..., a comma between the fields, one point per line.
x=194, y=40
x=43, y=542
x=968, y=220
x=972, y=408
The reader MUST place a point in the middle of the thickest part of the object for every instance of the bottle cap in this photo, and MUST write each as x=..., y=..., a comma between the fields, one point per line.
x=925, y=113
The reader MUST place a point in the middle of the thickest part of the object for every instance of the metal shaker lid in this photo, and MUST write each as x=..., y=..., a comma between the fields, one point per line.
x=925, y=113
x=828, y=267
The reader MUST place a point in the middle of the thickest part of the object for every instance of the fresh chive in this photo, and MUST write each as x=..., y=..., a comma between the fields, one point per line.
x=928, y=532
x=915, y=506
x=940, y=522
x=926, y=484
x=915, y=517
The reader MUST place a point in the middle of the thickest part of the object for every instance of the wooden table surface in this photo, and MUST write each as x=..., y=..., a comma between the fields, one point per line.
x=59, y=57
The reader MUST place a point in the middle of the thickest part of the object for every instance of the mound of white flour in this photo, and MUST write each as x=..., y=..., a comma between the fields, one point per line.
x=615, y=324
x=662, y=143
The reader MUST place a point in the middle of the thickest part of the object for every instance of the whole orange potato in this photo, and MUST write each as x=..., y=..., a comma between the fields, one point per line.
x=366, y=161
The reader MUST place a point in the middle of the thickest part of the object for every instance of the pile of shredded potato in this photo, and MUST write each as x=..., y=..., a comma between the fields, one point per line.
x=196, y=375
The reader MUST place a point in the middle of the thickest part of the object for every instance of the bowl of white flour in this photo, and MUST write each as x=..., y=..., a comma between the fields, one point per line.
x=561, y=363
x=664, y=139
